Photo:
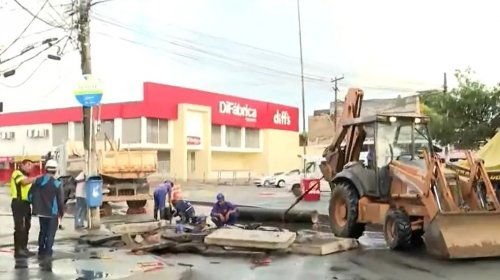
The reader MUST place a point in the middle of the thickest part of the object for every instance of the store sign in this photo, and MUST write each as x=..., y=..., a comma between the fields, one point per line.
x=282, y=118
x=193, y=140
x=236, y=109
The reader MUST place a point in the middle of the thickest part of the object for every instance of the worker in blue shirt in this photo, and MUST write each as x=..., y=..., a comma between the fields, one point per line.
x=47, y=198
x=160, y=198
x=223, y=212
x=184, y=210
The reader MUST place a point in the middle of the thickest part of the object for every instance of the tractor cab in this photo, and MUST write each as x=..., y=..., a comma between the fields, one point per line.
x=400, y=138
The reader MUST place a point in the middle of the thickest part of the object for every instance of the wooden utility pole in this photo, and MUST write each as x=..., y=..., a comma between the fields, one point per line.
x=336, y=90
x=445, y=84
x=88, y=135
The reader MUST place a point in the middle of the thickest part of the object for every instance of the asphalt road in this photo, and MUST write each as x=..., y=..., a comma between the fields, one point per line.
x=371, y=262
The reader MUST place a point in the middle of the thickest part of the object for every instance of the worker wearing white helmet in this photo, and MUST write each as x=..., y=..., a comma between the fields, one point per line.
x=47, y=197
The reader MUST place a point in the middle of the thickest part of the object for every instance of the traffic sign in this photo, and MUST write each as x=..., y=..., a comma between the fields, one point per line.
x=88, y=91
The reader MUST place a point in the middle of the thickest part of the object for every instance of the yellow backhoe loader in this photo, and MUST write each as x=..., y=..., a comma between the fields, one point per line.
x=406, y=188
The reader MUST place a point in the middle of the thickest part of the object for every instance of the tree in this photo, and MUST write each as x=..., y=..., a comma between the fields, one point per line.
x=465, y=117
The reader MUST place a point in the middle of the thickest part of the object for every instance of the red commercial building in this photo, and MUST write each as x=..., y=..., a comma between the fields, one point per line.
x=198, y=134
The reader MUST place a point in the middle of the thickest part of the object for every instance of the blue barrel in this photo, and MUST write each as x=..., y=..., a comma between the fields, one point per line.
x=93, y=191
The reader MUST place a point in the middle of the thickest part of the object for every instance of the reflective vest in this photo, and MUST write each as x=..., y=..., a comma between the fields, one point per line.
x=17, y=191
x=176, y=192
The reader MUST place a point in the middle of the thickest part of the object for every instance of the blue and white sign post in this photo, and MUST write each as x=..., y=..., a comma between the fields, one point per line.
x=89, y=91
x=89, y=94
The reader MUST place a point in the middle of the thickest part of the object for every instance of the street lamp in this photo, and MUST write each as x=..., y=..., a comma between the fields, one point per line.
x=303, y=91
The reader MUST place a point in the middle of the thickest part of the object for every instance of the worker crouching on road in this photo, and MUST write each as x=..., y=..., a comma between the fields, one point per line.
x=184, y=210
x=223, y=212
x=20, y=185
x=47, y=198
x=160, y=196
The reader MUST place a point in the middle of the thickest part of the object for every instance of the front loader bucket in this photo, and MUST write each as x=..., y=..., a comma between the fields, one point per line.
x=464, y=235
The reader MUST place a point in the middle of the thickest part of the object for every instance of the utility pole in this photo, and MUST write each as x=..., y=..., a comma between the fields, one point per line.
x=336, y=90
x=88, y=135
x=445, y=84
x=304, y=134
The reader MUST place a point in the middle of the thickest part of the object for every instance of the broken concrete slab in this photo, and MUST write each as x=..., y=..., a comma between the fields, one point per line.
x=235, y=237
x=138, y=227
x=184, y=237
x=165, y=244
x=321, y=247
x=97, y=240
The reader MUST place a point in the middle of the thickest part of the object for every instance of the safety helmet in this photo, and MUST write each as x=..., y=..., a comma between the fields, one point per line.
x=220, y=197
x=51, y=165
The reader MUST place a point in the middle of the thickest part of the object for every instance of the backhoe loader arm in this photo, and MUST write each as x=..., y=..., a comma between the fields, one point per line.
x=337, y=156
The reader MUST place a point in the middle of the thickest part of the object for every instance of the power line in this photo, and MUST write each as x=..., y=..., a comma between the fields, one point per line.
x=217, y=55
x=36, y=55
x=26, y=28
x=36, y=16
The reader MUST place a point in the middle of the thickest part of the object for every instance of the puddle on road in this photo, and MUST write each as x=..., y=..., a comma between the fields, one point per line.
x=372, y=240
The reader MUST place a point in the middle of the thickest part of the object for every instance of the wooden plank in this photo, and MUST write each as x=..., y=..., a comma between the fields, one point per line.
x=324, y=247
x=236, y=237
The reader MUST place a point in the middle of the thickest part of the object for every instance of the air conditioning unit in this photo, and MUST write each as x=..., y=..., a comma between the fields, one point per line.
x=45, y=133
x=2, y=135
x=38, y=134
x=12, y=135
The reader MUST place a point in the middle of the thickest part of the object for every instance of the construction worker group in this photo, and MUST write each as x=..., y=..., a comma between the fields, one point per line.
x=223, y=212
x=41, y=196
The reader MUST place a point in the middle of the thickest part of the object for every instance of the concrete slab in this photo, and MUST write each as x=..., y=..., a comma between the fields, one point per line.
x=324, y=247
x=137, y=227
x=236, y=237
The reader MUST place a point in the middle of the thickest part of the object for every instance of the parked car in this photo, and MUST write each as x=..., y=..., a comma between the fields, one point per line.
x=266, y=181
x=281, y=179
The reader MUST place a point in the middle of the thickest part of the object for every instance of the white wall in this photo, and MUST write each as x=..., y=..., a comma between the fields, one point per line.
x=22, y=144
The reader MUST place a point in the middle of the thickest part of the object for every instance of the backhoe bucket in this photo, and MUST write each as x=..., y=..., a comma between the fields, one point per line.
x=464, y=235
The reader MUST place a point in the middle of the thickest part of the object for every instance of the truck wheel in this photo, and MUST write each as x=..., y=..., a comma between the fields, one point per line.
x=106, y=210
x=343, y=211
x=296, y=190
x=397, y=230
x=136, y=203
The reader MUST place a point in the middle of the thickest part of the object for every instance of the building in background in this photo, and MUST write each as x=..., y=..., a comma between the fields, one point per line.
x=198, y=135
x=321, y=124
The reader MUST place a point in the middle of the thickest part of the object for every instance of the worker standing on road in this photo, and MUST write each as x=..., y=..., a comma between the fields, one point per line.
x=160, y=196
x=47, y=198
x=223, y=212
x=20, y=185
x=81, y=203
x=184, y=210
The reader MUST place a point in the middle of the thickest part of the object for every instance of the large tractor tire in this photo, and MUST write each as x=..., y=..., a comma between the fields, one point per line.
x=343, y=211
x=136, y=203
x=397, y=230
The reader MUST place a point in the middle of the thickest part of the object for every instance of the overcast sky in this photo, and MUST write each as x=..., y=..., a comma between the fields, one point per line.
x=250, y=48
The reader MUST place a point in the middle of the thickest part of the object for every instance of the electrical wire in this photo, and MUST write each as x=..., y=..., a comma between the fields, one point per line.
x=36, y=16
x=26, y=28
x=216, y=55
x=29, y=76
x=36, y=55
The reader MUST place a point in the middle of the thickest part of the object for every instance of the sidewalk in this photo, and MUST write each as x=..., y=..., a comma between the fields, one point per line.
x=7, y=230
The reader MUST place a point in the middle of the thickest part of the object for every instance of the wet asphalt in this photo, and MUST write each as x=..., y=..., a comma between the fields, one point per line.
x=372, y=261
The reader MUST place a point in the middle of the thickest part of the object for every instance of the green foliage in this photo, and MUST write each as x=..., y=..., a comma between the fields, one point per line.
x=466, y=116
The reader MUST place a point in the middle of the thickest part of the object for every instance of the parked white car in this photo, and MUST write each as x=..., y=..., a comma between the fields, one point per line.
x=266, y=181
x=281, y=179
x=312, y=171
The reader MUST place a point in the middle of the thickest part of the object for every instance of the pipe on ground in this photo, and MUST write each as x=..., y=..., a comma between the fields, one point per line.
x=252, y=214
